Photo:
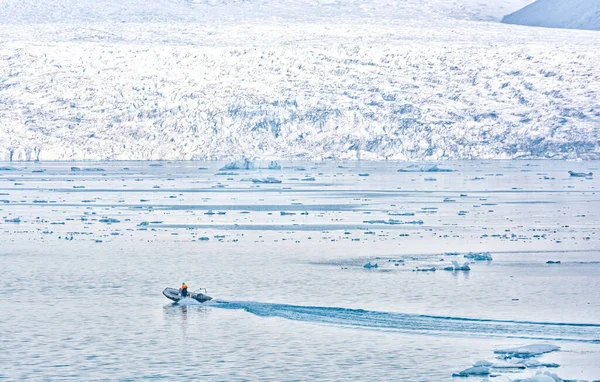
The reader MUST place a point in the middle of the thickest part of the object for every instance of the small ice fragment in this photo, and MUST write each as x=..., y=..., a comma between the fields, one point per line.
x=109, y=220
x=479, y=256
x=432, y=269
x=475, y=370
x=246, y=164
x=274, y=166
x=369, y=265
x=269, y=180
x=552, y=262
x=581, y=174
x=457, y=267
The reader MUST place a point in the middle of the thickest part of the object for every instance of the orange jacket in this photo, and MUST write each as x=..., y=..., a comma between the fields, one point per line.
x=183, y=287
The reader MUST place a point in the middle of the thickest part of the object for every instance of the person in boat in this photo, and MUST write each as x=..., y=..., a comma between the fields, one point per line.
x=183, y=290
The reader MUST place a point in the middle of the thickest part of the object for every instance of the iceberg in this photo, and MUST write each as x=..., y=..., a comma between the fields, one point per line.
x=369, y=265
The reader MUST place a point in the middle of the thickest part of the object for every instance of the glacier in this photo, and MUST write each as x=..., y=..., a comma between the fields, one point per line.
x=330, y=79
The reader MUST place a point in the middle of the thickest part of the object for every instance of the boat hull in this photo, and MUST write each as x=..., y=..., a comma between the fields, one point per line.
x=173, y=295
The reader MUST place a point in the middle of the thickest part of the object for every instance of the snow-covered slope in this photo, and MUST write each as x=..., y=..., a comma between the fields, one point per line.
x=573, y=14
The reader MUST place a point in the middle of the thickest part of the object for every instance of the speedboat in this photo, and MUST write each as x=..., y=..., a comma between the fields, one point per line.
x=198, y=295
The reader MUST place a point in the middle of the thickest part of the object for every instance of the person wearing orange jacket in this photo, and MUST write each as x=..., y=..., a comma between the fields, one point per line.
x=183, y=290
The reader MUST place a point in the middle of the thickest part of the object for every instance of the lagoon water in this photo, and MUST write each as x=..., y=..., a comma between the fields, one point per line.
x=86, y=251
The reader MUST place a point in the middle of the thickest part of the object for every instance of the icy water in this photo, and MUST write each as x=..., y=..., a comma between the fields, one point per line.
x=86, y=252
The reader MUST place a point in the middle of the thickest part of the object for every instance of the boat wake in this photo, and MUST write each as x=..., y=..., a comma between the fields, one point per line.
x=421, y=324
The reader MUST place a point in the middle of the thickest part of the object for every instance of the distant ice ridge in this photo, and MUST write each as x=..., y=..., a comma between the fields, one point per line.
x=572, y=14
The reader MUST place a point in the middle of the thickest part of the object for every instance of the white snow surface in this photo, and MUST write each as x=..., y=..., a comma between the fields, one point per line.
x=69, y=11
x=176, y=79
x=574, y=14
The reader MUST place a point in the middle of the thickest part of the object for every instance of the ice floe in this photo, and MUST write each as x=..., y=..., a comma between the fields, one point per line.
x=473, y=371
x=581, y=174
x=479, y=256
x=527, y=351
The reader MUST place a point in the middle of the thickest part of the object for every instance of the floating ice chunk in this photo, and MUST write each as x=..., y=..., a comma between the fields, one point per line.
x=432, y=269
x=415, y=168
x=483, y=363
x=581, y=174
x=457, y=267
x=246, y=164
x=473, y=371
x=274, y=166
x=552, y=262
x=533, y=363
x=365, y=174
x=109, y=220
x=528, y=351
x=268, y=180
x=15, y=220
x=308, y=179
x=479, y=256
x=369, y=265
x=542, y=377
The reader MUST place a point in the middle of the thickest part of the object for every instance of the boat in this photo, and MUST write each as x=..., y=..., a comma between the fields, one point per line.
x=199, y=295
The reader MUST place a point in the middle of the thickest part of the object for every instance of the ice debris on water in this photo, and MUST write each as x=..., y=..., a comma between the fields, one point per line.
x=581, y=174
x=369, y=265
x=431, y=269
x=479, y=256
x=534, y=363
x=473, y=371
x=245, y=164
x=268, y=180
x=109, y=220
x=274, y=166
x=528, y=351
x=415, y=168
x=545, y=376
x=15, y=220
x=552, y=262
x=457, y=267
